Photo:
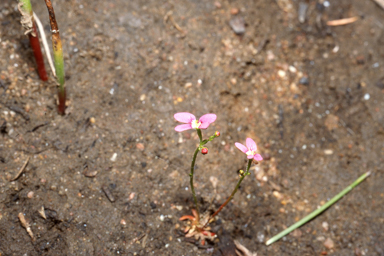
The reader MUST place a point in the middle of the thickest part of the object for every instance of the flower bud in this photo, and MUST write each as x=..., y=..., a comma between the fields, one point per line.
x=204, y=151
x=217, y=134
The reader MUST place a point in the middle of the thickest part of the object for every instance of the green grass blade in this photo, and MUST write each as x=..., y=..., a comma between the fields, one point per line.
x=318, y=211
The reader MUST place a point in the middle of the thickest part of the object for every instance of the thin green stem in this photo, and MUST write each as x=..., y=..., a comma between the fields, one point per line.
x=27, y=6
x=233, y=192
x=191, y=180
x=318, y=211
x=201, y=144
x=200, y=135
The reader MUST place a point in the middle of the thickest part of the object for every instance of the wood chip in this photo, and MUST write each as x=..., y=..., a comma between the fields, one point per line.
x=25, y=225
x=108, y=194
x=241, y=250
x=21, y=170
x=42, y=212
x=342, y=22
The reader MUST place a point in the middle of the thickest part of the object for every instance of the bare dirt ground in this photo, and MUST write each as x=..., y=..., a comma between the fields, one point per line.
x=310, y=95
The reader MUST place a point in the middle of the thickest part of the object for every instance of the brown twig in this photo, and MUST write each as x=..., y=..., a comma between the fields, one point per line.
x=21, y=170
x=342, y=21
x=380, y=3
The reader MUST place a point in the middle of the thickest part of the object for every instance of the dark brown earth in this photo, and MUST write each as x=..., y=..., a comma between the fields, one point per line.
x=310, y=95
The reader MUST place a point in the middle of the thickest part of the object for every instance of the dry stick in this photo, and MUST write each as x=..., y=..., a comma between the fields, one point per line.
x=380, y=3
x=58, y=57
x=21, y=170
x=28, y=23
x=45, y=42
x=342, y=21
x=26, y=225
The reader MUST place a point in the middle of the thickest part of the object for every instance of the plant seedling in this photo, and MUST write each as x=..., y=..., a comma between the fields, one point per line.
x=58, y=58
x=27, y=21
x=198, y=225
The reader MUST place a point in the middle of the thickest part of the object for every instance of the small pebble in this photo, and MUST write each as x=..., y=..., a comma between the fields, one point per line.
x=304, y=80
x=328, y=243
x=92, y=120
x=89, y=173
x=142, y=97
x=281, y=73
x=234, y=11
x=277, y=195
x=238, y=25
x=30, y=194
x=320, y=238
x=292, y=69
x=367, y=96
x=123, y=222
x=296, y=233
x=325, y=226
x=132, y=195
x=114, y=156
x=140, y=146
x=328, y=151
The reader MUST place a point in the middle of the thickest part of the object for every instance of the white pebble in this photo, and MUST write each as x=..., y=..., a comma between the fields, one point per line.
x=367, y=96
x=292, y=69
x=281, y=73
x=113, y=158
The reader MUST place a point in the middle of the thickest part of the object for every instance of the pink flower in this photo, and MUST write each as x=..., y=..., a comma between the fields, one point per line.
x=250, y=149
x=191, y=122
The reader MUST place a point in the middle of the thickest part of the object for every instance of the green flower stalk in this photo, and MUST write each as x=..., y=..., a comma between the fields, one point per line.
x=28, y=23
x=58, y=57
x=190, y=122
x=250, y=150
x=318, y=211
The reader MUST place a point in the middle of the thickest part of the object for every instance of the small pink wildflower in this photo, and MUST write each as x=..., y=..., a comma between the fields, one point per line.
x=191, y=122
x=250, y=149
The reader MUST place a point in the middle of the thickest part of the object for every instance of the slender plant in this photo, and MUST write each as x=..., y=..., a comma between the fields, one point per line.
x=319, y=210
x=199, y=226
x=58, y=57
x=29, y=25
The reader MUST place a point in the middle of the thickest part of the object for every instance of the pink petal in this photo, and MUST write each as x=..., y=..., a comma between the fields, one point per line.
x=258, y=157
x=183, y=127
x=184, y=117
x=204, y=126
x=241, y=147
x=251, y=144
x=207, y=118
x=249, y=156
